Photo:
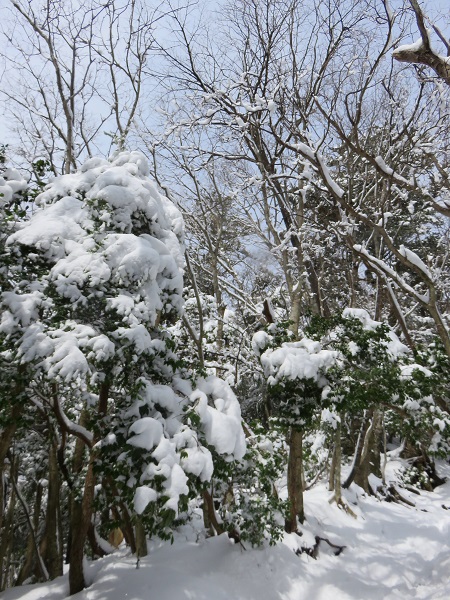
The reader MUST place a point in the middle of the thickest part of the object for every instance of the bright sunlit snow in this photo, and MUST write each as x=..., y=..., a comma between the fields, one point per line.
x=392, y=552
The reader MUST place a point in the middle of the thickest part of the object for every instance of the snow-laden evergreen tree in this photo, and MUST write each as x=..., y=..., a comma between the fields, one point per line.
x=12, y=377
x=105, y=251
x=351, y=369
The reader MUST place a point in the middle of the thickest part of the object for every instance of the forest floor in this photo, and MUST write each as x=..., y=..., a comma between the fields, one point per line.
x=392, y=551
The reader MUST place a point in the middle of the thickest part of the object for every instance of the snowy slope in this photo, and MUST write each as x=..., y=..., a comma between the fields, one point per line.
x=392, y=552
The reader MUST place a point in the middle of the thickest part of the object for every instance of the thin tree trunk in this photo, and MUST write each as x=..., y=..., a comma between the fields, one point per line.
x=141, y=539
x=358, y=452
x=212, y=517
x=41, y=568
x=383, y=469
x=295, y=461
x=77, y=465
x=6, y=437
x=50, y=546
x=93, y=539
x=332, y=470
x=337, y=466
x=122, y=516
x=206, y=518
x=81, y=512
x=6, y=537
x=370, y=456
x=30, y=555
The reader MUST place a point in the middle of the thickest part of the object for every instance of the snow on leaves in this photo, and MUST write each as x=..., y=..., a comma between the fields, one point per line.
x=348, y=364
x=221, y=422
x=298, y=360
x=104, y=253
x=175, y=451
x=11, y=184
x=128, y=269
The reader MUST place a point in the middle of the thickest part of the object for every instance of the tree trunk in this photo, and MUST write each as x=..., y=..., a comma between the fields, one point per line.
x=92, y=537
x=6, y=537
x=6, y=437
x=30, y=554
x=41, y=569
x=337, y=465
x=295, y=481
x=51, y=546
x=358, y=452
x=370, y=457
x=81, y=512
x=141, y=539
x=332, y=470
x=123, y=517
x=208, y=503
x=81, y=515
x=206, y=518
x=77, y=465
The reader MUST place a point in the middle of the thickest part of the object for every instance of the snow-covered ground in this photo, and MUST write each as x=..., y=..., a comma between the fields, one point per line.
x=392, y=551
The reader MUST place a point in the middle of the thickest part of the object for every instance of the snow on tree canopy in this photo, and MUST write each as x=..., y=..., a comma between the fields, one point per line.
x=105, y=257
x=394, y=346
x=307, y=359
x=12, y=184
x=298, y=360
x=172, y=449
x=106, y=230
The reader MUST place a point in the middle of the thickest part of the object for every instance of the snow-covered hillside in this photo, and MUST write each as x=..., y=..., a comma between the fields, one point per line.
x=392, y=551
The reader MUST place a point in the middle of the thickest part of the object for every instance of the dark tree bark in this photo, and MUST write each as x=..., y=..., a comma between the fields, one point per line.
x=295, y=481
x=51, y=546
x=81, y=514
x=81, y=511
x=423, y=54
x=369, y=461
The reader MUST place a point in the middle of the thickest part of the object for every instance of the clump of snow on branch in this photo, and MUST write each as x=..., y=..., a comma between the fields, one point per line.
x=298, y=360
x=221, y=422
x=11, y=184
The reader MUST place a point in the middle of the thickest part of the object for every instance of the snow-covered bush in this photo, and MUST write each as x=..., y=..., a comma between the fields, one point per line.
x=256, y=509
